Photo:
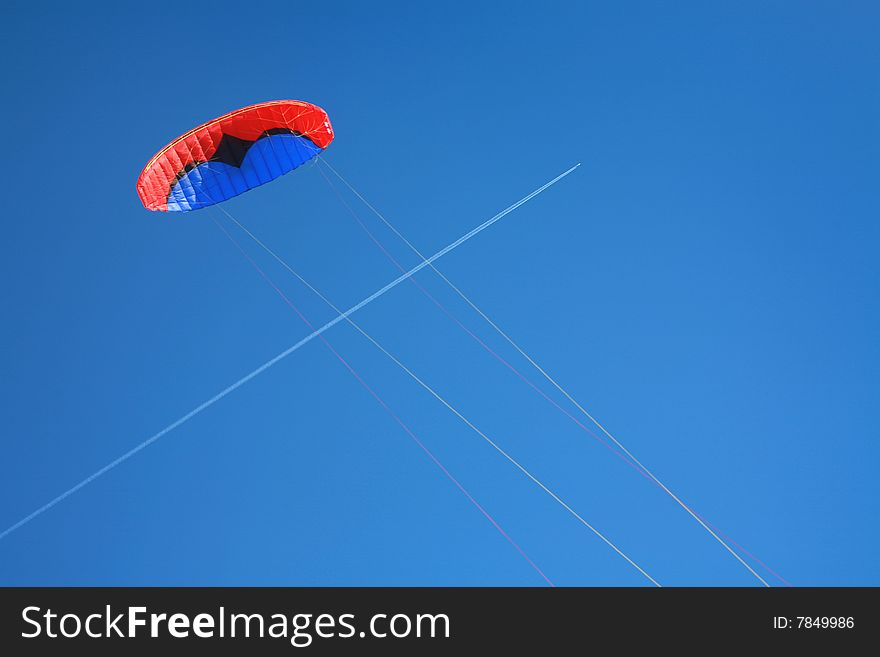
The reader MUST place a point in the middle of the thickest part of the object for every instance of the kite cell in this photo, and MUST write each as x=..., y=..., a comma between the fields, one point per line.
x=232, y=154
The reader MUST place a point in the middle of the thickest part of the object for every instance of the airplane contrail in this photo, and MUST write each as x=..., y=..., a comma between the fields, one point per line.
x=284, y=354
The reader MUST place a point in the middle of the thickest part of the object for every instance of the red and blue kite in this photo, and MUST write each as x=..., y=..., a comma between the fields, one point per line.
x=232, y=154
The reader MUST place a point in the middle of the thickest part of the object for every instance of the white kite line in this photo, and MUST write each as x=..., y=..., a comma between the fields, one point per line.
x=442, y=400
x=545, y=374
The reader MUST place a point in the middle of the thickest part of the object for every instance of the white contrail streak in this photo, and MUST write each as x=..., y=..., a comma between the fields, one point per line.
x=544, y=373
x=284, y=354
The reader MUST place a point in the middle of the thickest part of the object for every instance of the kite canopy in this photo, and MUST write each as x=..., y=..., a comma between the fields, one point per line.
x=232, y=154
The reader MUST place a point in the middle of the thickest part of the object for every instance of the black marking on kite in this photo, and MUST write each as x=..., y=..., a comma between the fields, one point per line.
x=180, y=174
x=232, y=151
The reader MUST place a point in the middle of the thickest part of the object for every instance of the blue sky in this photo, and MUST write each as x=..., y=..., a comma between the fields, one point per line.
x=706, y=284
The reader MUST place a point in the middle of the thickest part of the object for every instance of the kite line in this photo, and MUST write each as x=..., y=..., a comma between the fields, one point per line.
x=382, y=402
x=424, y=385
x=636, y=462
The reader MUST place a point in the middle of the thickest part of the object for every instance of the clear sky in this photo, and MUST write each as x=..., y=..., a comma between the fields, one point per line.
x=706, y=284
